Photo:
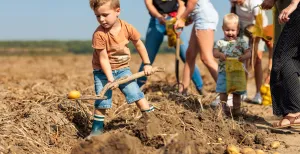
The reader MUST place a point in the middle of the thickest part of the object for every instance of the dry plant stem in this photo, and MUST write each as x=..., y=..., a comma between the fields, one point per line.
x=200, y=101
x=243, y=139
x=85, y=109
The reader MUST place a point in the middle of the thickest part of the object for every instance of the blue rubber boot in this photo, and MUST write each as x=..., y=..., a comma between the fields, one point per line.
x=149, y=110
x=97, y=127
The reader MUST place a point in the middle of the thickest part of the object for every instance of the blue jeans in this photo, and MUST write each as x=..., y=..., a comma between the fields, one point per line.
x=154, y=38
x=130, y=89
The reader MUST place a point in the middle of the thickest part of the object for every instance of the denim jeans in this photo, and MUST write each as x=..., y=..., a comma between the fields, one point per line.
x=130, y=89
x=154, y=38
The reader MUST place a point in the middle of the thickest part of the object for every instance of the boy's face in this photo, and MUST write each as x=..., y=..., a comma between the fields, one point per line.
x=230, y=31
x=106, y=15
x=238, y=2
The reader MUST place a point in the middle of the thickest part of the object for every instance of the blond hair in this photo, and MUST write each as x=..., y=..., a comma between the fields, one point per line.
x=230, y=18
x=114, y=4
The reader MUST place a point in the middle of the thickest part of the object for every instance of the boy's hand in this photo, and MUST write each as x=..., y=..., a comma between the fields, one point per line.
x=148, y=70
x=222, y=56
x=113, y=84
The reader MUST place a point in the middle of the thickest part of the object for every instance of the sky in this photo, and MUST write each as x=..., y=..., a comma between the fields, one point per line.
x=72, y=19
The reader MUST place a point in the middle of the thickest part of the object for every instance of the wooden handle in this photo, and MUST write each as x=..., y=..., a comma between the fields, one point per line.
x=177, y=47
x=127, y=79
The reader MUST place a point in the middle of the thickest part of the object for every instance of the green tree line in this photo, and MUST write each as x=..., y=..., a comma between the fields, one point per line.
x=56, y=47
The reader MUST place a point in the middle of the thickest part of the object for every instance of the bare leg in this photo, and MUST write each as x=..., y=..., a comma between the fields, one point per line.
x=270, y=49
x=258, y=72
x=223, y=101
x=205, y=39
x=189, y=65
x=100, y=112
x=223, y=97
x=236, y=101
x=143, y=104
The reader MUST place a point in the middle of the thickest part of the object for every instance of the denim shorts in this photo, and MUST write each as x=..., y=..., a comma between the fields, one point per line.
x=205, y=15
x=130, y=89
x=221, y=84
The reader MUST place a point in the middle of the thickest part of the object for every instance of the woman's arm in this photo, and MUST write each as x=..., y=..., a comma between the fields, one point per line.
x=189, y=8
x=268, y=4
x=180, y=23
x=153, y=11
x=284, y=15
x=181, y=8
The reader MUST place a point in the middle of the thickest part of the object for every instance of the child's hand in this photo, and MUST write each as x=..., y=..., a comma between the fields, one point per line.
x=222, y=56
x=148, y=70
x=113, y=84
x=242, y=58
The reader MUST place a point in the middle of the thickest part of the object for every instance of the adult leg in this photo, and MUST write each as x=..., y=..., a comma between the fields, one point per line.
x=285, y=84
x=189, y=65
x=270, y=50
x=196, y=77
x=258, y=71
x=153, y=41
x=205, y=40
x=258, y=75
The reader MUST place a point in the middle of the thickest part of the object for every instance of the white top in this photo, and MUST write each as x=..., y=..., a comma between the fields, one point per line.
x=248, y=11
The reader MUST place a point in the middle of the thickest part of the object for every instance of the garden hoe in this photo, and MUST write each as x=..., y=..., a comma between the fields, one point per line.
x=116, y=83
x=178, y=32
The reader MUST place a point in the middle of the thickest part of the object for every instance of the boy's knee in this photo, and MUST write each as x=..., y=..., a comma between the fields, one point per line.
x=99, y=111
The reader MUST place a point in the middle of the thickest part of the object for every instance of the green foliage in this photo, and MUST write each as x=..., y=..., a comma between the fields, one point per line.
x=50, y=47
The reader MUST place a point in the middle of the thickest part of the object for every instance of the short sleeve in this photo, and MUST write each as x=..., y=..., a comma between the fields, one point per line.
x=217, y=45
x=98, y=41
x=244, y=45
x=133, y=34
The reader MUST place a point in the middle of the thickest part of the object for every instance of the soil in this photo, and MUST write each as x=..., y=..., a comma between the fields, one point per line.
x=36, y=117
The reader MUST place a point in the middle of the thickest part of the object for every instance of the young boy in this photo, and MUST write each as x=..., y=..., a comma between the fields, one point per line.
x=230, y=46
x=111, y=59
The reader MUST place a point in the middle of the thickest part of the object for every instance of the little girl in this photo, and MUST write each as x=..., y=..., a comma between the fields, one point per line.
x=234, y=47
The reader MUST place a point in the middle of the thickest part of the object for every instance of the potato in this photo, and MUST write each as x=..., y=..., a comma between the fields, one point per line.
x=260, y=152
x=159, y=93
x=275, y=144
x=220, y=139
x=73, y=94
x=232, y=149
x=247, y=151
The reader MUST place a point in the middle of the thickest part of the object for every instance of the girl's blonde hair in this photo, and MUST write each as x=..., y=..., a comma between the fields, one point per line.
x=114, y=4
x=230, y=18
